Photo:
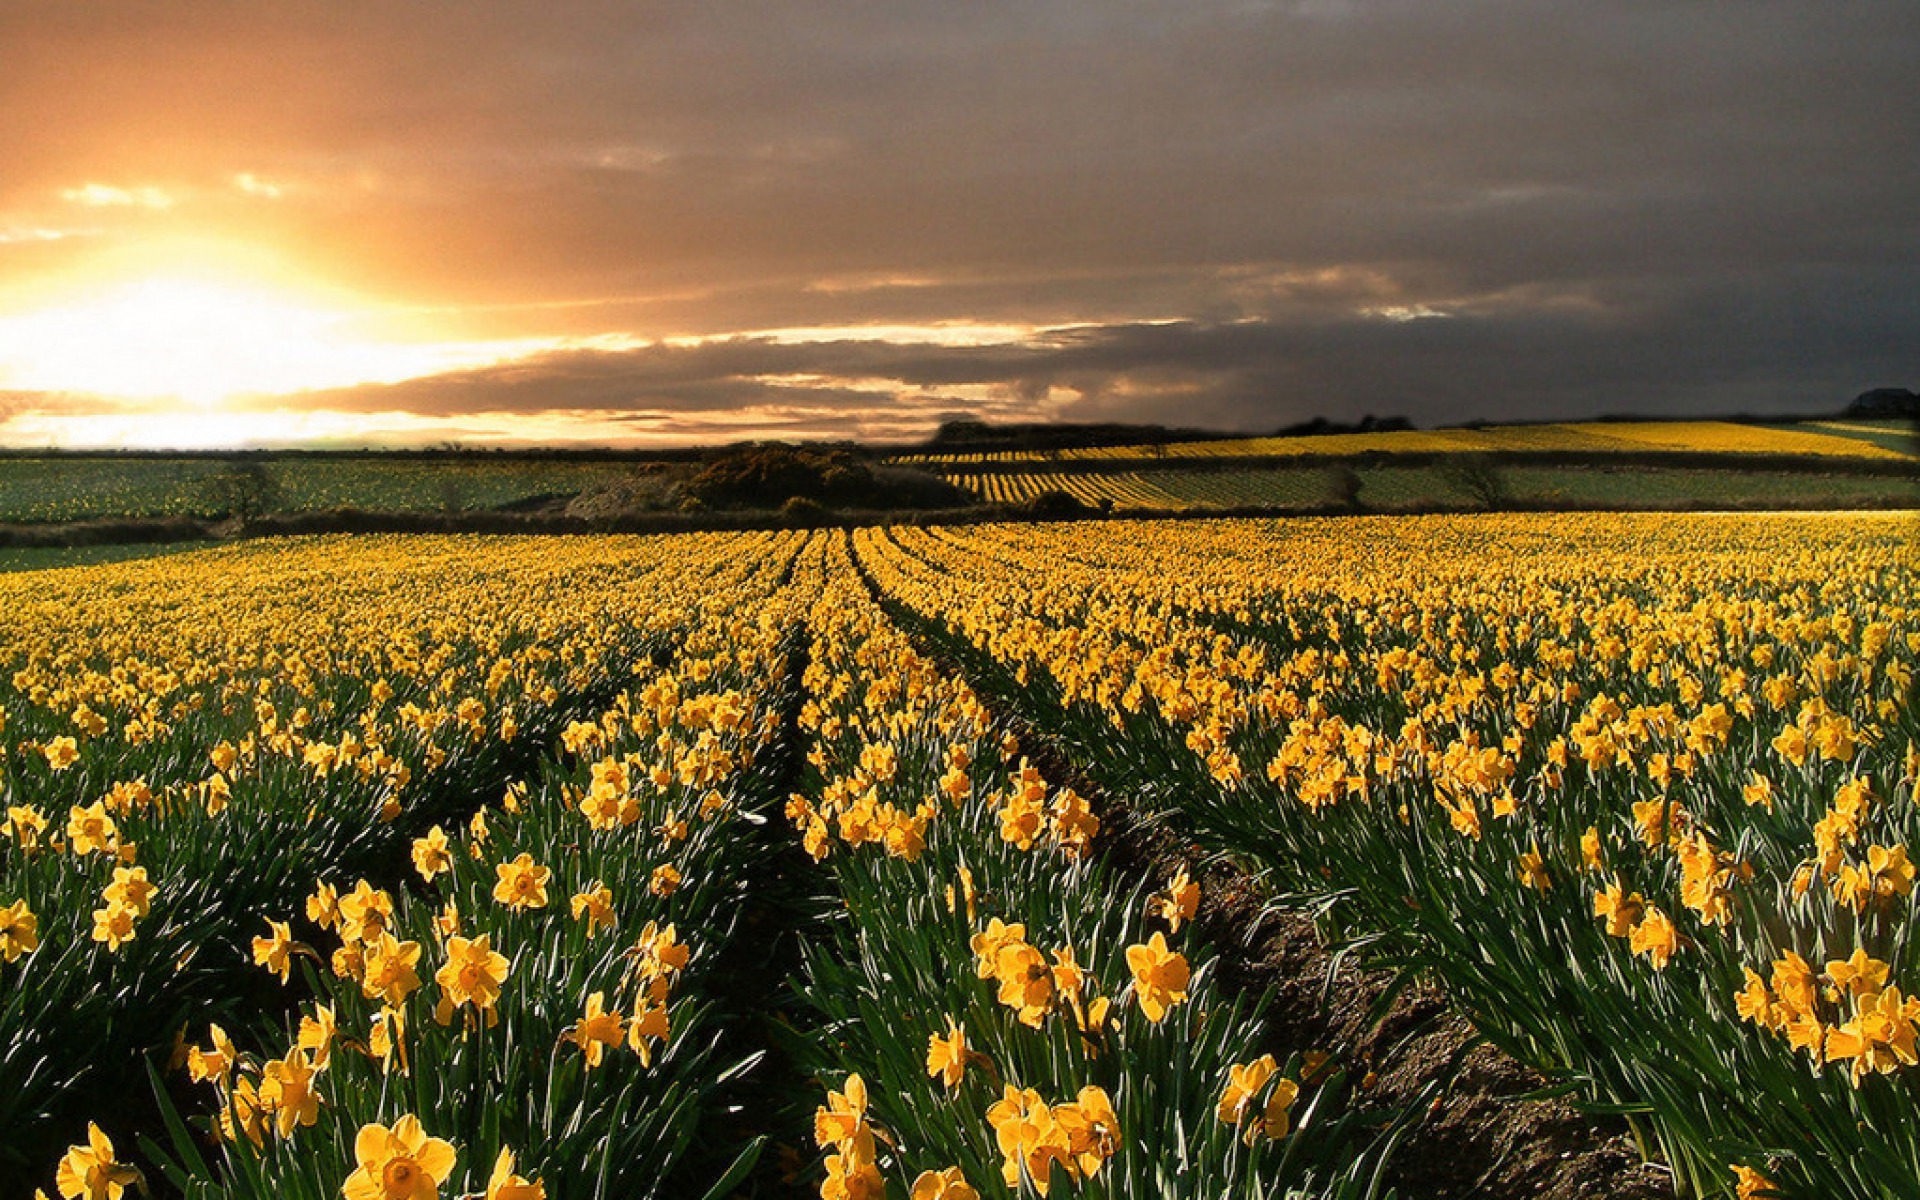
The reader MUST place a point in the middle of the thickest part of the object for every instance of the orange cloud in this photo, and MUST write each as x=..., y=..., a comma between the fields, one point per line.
x=100, y=195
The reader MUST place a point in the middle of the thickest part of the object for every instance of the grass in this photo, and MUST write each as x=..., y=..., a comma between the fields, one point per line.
x=58, y=488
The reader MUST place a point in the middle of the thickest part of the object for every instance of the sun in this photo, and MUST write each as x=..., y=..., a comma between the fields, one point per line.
x=196, y=341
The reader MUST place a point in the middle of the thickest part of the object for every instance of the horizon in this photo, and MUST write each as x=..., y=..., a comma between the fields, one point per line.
x=1009, y=430
x=632, y=226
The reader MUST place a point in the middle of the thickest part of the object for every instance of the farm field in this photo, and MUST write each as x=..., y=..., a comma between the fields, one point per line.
x=772, y=863
x=1887, y=433
x=1839, y=463
x=1872, y=440
x=39, y=558
x=79, y=488
x=1395, y=487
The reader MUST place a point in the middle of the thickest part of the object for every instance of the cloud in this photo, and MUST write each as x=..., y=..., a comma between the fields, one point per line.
x=253, y=185
x=1618, y=205
x=1250, y=374
x=100, y=195
x=15, y=235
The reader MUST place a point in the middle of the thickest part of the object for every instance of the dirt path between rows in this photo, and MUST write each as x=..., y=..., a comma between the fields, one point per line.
x=1480, y=1139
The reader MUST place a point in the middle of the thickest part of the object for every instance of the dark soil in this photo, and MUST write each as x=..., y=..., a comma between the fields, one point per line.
x=1480, y=1138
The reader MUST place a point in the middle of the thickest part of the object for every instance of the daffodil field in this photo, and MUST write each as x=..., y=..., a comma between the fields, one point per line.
x=745, y=864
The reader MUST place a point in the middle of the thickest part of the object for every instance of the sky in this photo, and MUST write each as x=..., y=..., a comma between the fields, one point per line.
x=355, y=221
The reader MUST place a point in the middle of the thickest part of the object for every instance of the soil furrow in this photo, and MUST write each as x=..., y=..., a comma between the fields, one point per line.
x=1479, y=1137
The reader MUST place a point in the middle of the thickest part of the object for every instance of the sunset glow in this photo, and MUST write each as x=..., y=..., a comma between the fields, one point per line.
x=203, y=343
x=642, y=223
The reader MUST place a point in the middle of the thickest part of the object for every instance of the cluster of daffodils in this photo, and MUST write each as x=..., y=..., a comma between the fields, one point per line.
x=1033, y=983
x=92, y=1172
x=1259, y=1110
x=1642, y=760
x=1724, y=437
x=190, y=740
x=1848, y=1014
x=397, y=1162
x=91, y=833
x=279, y=1096
x=1030, y=983
x=1036, y=1138
x=657, y=958
x=533, y=938
x=1857, y=876
x=403, y=1160
x=1045, y=1061
x=841, y=1127
x=1635, y=755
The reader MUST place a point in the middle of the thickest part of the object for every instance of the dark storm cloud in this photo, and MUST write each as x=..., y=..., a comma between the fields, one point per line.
x=1254, y=374
x=1622, y=204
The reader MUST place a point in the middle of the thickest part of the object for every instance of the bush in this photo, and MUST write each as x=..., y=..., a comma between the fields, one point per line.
x=243, y=491
x=1343, y=486
x=1479, y=477
x=767, y=477
x=803, y=513
x=1054, y=503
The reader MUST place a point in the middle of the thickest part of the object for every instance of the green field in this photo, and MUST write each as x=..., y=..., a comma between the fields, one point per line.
x=60, y=488
x=1683, y=464
x=1901, y=437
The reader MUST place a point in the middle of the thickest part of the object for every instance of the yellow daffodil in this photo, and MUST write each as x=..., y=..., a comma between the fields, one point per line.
x=91, y=830
x=1160, y=977
x=392, y=972
x=91, y=1172
x=473, y=974
x=949, y=1184
x=61, y=753
x=503, y=1184
x=595, y=906
x=19, y=931
x=597, y=1029
x=113, y=925
x=947, y=1056
x=401, y=1163
x=1179, y=902
x=275, y=951
x=521, y=883
x=286, y=1091
x=432, y=854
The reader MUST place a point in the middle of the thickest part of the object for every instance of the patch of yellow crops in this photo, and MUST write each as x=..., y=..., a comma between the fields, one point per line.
x=1720, y=437
x=1700, y=728
x=251, y=722
x=1648, y=648
x=1714, y=437
x=1120, y=491
x=1662, y=766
